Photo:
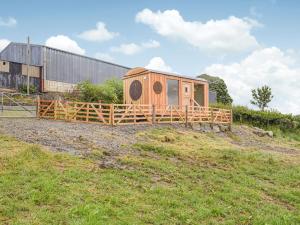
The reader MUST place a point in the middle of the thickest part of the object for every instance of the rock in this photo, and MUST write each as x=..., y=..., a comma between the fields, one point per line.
x=223, y=128
x=205, y=127
x=196, y=126
x=262, y=133
x=216, y=128
x=270, y=133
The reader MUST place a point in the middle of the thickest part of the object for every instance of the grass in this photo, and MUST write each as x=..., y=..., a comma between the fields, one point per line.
x=177, y=178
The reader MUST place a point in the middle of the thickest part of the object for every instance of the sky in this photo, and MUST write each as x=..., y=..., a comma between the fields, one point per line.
x=247, y=43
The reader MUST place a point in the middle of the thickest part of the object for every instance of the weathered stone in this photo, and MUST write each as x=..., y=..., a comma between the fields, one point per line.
x=205, y=127
x=223, y=128
x=270, y=133
x=216, y=128
x=196, y=126
x=262, y=133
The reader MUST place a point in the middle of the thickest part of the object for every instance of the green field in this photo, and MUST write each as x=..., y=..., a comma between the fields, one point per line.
x=177, y=178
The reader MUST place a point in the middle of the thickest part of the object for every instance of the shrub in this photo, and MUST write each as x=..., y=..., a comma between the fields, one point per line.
x=23, y=89
x=264, y=119
x=111, y=91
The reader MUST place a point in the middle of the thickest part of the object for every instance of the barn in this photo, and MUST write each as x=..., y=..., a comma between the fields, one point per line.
x=149, y=87
x=52, y=70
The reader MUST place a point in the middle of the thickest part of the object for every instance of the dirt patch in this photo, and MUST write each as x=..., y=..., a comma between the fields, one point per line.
x=86, y=140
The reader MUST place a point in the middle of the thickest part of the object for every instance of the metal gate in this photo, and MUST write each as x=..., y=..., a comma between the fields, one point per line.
x=17, y=105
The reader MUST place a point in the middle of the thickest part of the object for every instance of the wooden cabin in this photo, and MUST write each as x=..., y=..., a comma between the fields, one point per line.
x=149, y=87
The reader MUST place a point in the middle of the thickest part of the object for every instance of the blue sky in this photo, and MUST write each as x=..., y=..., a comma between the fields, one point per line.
x=248, y=43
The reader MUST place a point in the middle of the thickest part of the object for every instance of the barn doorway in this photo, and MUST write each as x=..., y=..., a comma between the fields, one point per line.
x=199, y=94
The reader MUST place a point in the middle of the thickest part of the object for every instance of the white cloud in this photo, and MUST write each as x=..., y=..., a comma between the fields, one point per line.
x=10, y=22
x=227, y=35
x=100, y=33
x=132, y=48
x=64, y=43
x=271, y=66
x=157, y=63
x=104, y=56
x=3, y=43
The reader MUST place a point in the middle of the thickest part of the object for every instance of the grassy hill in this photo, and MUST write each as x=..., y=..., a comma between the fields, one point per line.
x=171, y=177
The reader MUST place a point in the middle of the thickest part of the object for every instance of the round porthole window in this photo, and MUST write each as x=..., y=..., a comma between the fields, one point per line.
x=135, y=90
x=157, y=87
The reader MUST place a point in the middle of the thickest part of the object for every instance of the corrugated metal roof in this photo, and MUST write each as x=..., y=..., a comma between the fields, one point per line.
x=70, y=53
x=63, y=66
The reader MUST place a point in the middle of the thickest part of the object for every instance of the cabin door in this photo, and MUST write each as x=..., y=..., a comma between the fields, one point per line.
x=186, y=93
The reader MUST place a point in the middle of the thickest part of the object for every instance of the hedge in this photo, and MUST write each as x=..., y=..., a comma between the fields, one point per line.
x=263, y=119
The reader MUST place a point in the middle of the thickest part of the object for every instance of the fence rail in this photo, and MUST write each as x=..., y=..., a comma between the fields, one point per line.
x=120, y=114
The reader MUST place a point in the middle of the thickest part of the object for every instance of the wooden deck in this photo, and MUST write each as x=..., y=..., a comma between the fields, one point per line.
x=122, y=114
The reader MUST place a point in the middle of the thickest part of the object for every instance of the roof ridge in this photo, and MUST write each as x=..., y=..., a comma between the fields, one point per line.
x=72, y=53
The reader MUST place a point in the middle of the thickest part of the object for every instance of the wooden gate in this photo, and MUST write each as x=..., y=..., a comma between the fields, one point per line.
x=119, y=114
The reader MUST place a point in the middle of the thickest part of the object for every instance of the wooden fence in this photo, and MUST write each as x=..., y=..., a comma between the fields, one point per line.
x=119, y=114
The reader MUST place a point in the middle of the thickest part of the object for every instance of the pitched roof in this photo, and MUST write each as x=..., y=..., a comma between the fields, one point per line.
x=141, y=70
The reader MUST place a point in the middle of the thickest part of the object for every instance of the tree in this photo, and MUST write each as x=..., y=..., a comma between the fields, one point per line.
x=219, y=86
x=261, y=97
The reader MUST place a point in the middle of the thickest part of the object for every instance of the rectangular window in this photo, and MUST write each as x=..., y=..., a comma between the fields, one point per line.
x=173, y=92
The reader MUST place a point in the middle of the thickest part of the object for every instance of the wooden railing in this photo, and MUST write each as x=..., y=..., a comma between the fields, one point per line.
x=118, y=114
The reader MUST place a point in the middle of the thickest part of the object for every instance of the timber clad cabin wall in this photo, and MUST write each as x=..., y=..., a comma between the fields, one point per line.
x=148, y=78
x=144, y=99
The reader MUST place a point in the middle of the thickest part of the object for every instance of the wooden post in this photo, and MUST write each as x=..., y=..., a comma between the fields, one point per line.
x=68, y=115
x=231, y=120
x=186, y=115
x=55, y=109
x=153, y=114
x=38, y=104
x=134, y=113
x=112, y=114
x=211, y=117
x=87, y=112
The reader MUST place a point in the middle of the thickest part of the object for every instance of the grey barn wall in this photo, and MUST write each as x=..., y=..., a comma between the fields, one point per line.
x=71, y=68
x=62, y=66
x=14, y=78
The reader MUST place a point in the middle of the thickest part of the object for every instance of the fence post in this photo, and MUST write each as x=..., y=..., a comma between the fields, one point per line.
x=231, y=120
x=186, y=115
x=55, y=109
x=38, y=106
x=153, y=114
x=112, y=114
x=67, y=117
x=211, y=117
